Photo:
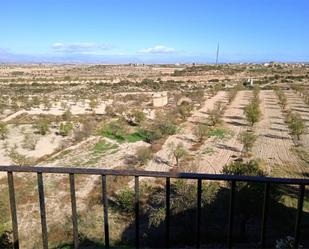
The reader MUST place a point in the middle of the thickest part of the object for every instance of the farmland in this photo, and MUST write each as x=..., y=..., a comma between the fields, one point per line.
x=178, y=118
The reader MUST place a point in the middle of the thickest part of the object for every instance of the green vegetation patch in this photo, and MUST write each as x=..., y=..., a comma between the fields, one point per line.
x=100, y=149
x=118, y=134
x=131, y=138
x=103, y=146
x=218, y=133
x=135, y=137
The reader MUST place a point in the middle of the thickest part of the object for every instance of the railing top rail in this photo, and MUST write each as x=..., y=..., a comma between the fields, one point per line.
x=96, y=171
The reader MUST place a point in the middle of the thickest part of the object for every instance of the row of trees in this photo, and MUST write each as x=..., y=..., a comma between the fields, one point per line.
x=252, y=110
x=231, y=94
x=296, y=124
x=253, y=115
x=282, y=99
x=203, y=130
x=294, y=120
x=302, y=92
x=45, y=101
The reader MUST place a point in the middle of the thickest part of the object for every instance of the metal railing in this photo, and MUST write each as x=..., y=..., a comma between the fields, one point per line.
x=267, y=181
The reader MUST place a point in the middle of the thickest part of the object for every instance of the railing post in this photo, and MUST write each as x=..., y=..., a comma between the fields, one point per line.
x=264, y=213
x=136, y=187
x=74, y=212
x=42, y=211
x=167, y=212
x=105, y=211
x=13, y=210
x=198, y=216
x=299, y=214
x=231, y=215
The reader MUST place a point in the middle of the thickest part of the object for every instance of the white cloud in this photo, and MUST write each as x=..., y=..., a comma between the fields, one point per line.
x=158, y=49
x=79, y=47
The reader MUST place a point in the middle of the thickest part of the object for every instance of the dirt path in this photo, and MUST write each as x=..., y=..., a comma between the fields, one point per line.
x=14, y=115
x=274, y=143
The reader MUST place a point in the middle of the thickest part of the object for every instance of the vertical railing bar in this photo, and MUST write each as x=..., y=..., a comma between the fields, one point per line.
x=264, y=213
x=105, y=211
x=13, y=210
x=42, y=210
x=74, y=212
x=167, y=212
x=231, y=215
x=198, y=216
x=136, y=187
x=300, y=203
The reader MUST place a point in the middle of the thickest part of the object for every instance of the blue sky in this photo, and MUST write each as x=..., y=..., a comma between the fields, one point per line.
x=159, y=31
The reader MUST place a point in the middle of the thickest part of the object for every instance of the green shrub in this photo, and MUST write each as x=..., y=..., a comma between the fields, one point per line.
x=183, y=195
x=136, y=117
x=248, y=139
x=166, y=128
x=231, y=94
x=124, y=201
x=177, y=152
x=65, y=129
x=148, y=135
x=184, y=109
x=252, y=112
x=42, y=126
x=296, y=125
x=201, y=132
x=67, y=115
x=93, y=104
x=114, y=130
x=219, y=133
x=110, y=111
x=157, y=131
x=143, y=154
x=85, y=130
x=3, y=130
x=250, y=168
x=214, y=115
x=282, y=98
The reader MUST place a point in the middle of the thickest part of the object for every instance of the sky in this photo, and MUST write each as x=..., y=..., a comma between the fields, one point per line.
x=154, y=31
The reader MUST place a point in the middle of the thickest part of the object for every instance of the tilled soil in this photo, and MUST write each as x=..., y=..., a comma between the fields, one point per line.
x=227, y=150
x=274, y=143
